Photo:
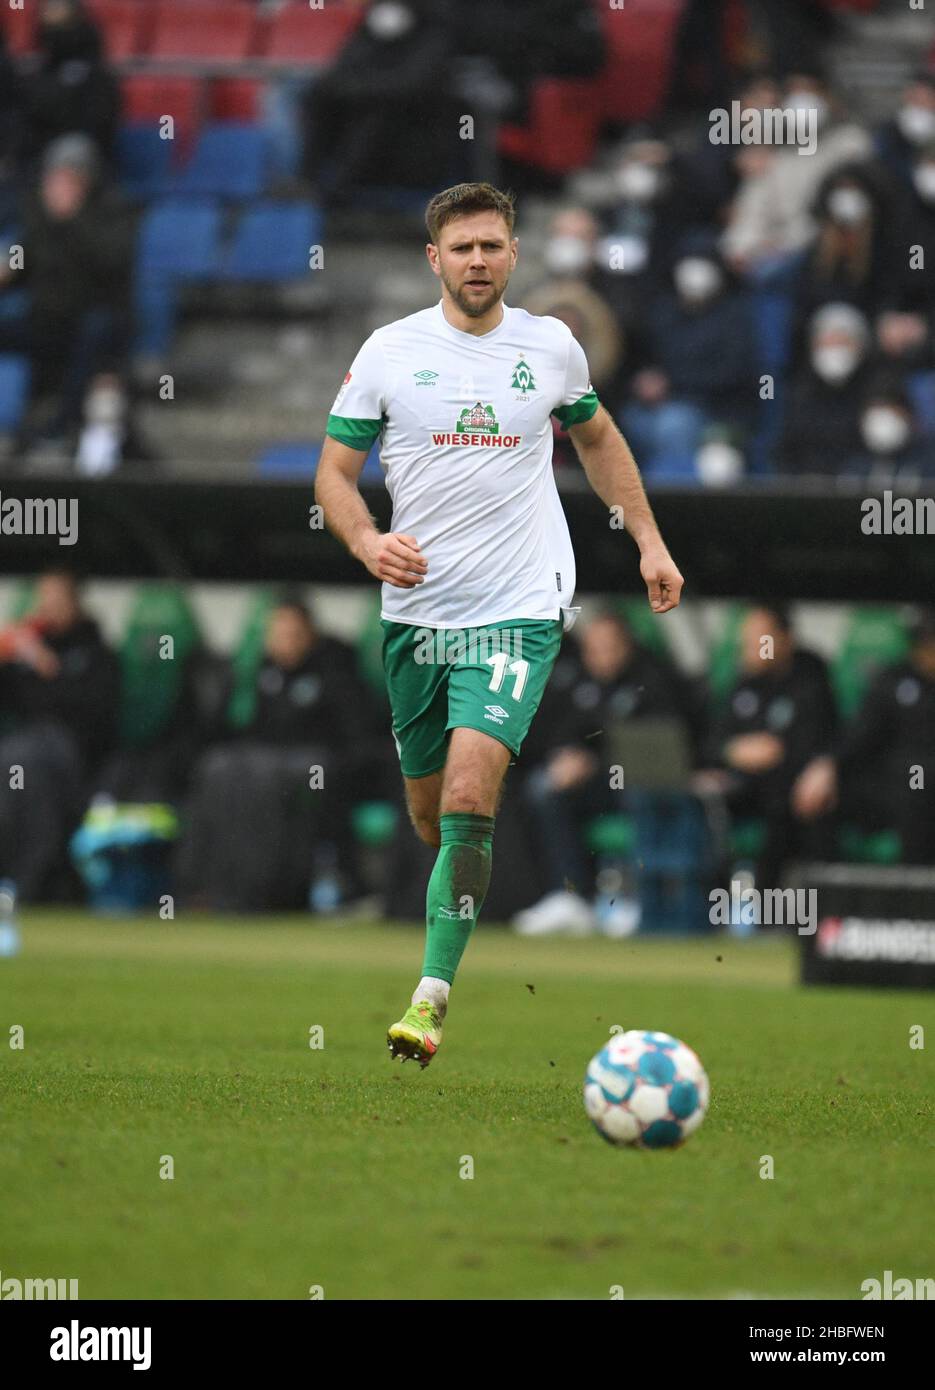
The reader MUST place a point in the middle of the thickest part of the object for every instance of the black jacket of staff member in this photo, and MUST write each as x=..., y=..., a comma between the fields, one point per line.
x=886, y=758
x=793, y=704
x=73, y=89
x=319, y=700
x=780, y=716
x=610, y=678
x=69, y=677
x=79, y=259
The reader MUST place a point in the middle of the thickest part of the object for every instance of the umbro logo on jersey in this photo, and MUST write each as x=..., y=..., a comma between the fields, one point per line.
x=425, y=378
x=496, y=713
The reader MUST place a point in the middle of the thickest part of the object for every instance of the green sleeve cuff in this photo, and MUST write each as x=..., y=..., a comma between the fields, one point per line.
x=580, y=410
x=356, y=434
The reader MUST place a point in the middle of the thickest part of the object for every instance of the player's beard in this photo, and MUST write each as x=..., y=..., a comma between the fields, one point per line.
x=475, y=306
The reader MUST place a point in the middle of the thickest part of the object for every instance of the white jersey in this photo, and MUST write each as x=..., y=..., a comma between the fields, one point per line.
x=465, y=433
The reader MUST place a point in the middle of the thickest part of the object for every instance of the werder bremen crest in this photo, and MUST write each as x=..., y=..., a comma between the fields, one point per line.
x=477, y=417
x=522, y=378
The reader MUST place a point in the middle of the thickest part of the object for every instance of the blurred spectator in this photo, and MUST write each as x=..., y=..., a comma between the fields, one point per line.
x=827, y=392
x=58, y=696
x=712, y=171
x=581, y=291
x=654, y=207
x=617, y=679
x=892, y=448
x=575, y=252
x=375, y=117
x=262, y=822
x=779, y=717
x=871, y=774
x=701, y=368
x=72, y=89
x=526, y=40
x=10, y=106
x=77, y=252
x=916, y=279
x=771, y=215
x=853, y=257
x=899, y=139
x=904, y=348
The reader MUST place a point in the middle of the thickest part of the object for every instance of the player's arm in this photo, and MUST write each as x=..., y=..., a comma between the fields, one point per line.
x=390, y=557
x=612, y=472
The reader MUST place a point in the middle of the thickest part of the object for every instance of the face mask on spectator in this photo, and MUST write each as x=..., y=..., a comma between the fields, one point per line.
x=923, y=176
x=567, y=255
x=388, y=20
x=638, y=182
x=697, y=279
x=884, y=430
x=848, y=206
x=807, y=101
x=916, y=123
x=835, y=362
x=718, y=463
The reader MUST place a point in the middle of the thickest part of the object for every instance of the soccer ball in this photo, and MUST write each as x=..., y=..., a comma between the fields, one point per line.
x=645, y=1090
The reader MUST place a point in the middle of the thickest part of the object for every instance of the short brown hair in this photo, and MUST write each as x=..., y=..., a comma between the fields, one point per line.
x=465, y=198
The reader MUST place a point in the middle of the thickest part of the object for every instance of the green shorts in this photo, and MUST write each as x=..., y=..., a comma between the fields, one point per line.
x=488, y=678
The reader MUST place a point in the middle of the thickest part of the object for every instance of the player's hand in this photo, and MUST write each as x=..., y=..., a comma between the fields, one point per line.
x=815, y=790
x=570, y=767
x=755, y=752
x=394, y=559
x=662, y=578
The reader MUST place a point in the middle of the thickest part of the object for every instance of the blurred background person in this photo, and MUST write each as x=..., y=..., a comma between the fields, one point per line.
x=872, y=775
x=77, y=242
x=826, y=394
x=72, y=88
x=701, y=363
x=893, y=450
x=616, y=679
x=770, y=217
x=58, y=699
x=259, y=830
x=901, y=136
x=779, y=716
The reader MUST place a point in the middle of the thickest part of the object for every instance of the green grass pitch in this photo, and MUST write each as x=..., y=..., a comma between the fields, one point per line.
x=298, y=1167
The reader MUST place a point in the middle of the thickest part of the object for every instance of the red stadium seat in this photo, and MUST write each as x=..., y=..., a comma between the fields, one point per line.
x=219, y=30
x=234, y=99
x=640, y=39
x=561, y=133
x=298, y=34
x=125, y=26
x=146, y=99
x=19, y=27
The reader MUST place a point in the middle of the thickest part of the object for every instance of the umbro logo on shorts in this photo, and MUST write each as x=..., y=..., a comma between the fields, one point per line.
x=496, y=713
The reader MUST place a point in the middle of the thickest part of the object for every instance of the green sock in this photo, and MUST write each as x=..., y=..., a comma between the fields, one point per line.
x=456, y=890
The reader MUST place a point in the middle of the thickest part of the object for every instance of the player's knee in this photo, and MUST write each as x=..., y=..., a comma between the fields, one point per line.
x=464, y=795
x=427, y=829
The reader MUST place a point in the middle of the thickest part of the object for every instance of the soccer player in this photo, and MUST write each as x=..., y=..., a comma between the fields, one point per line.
x=478, y=571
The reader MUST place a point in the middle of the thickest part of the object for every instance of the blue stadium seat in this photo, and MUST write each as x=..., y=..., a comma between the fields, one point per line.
x=14, y=389
x=229, y=161
x=143, y=159
x=179, y=240
x=299, y=459
x=180, y=237
x=272, y=242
